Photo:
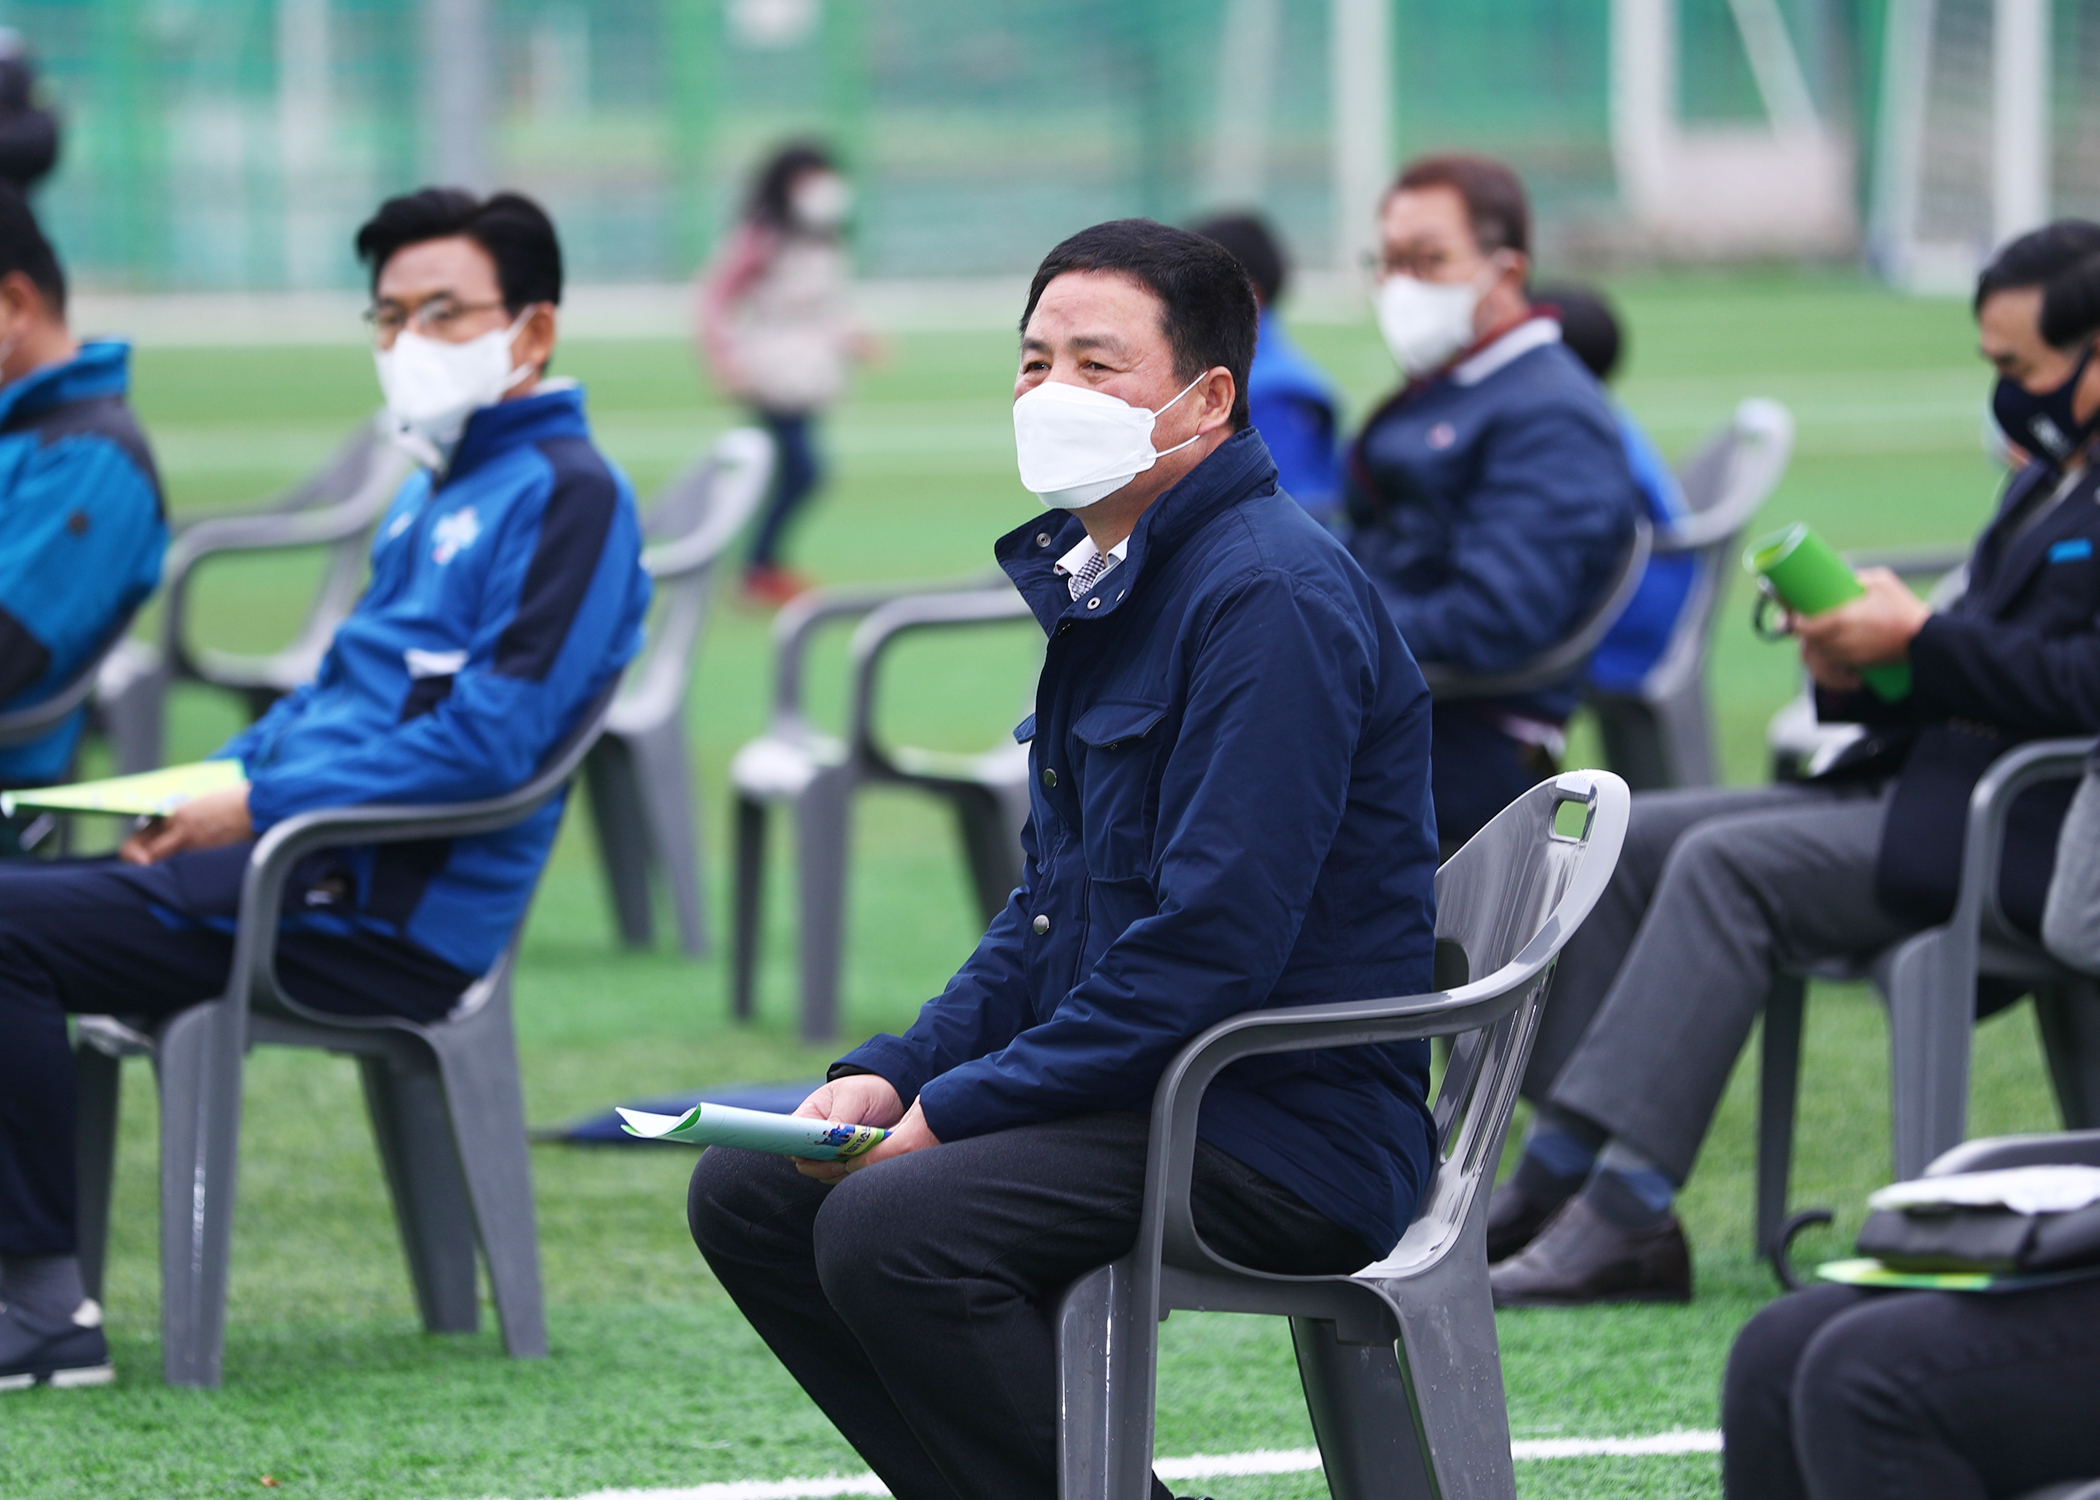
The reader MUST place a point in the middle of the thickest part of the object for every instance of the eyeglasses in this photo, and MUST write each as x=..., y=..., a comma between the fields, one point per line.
x=1424, y=265
x=436, y=316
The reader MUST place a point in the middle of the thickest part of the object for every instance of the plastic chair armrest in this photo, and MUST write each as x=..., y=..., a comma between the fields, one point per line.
x=1990, y=803
x=796, y=626
x=883, y=627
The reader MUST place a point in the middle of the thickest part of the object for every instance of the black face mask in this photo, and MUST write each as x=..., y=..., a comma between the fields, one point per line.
x=2044, y=424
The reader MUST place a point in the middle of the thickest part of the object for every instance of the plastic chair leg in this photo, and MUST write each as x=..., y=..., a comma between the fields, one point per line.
x=1685, y=735
x=1633, y=743
x=994, y=853
x=623, y=836
x=414, y=1133
x=98, y=1085
x=1105, y=1389
x=199, y=1059
x=671, y=817
x=134, y=719
x=1931, y=990
x=821, y=840
x=1361, y=1416
x=1452, y=1363
x=2070, y=1022
x=1778, y=1087
x=478, y=1060
x=749, y=901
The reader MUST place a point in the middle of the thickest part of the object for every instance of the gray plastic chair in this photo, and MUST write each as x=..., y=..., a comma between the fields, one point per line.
x=1565, y=657
x=445, y=1099
x=336, y=508
x=1929, y=983
x=1662, y=734
x=640, y=773
x=815, y=775
x=1401, y=1369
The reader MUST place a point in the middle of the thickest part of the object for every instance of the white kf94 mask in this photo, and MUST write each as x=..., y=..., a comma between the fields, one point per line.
x=432, y=386
x=1076, y=446
x=1426, y=322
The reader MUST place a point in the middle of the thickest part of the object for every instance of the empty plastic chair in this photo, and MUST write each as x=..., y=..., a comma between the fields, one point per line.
x=1401, y=1369
x=640, y=773
x=447, y=1107
x=814, y=774
x=1661, y=734
x=1929, y=982
x=336, y=508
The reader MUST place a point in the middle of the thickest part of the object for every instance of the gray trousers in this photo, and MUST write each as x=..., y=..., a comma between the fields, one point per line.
x=2071, y=921
x=1654, y=997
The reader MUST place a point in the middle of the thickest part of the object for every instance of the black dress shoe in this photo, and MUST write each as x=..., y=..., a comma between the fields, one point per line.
x=1583, y=1257
x=1515, y=1219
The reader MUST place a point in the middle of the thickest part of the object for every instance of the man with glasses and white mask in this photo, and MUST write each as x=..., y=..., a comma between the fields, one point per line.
x=507, y=592
x=1229, y=763
x=1489, y=498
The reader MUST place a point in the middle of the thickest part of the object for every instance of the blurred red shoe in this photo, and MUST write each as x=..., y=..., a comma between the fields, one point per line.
x=765, y=584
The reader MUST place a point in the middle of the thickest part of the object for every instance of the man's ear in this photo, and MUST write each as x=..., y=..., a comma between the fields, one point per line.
x=535, y=341
x=1220, y=392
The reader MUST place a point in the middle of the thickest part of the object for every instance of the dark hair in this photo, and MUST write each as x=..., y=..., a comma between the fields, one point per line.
x=515, y=231
x=1252, y=244
x=1496, y=207
x=1207, y=306
x=1588, y=326
x=768, y=204
x=28, y=135
x=2063, y=259
x=23, y=248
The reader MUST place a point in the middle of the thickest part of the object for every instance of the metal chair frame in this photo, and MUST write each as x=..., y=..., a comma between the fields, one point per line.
x=1400, y=1363
x=445, y=1098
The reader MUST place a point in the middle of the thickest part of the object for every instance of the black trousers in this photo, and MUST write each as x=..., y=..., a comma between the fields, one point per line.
x=1840, y=1394
x=100, y=937
x=913, y=1301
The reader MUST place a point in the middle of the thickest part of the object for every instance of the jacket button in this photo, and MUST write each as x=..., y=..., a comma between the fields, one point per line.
x=1049, y=777
x=1041, y=925
x=1093, y=604
x=1042, y=538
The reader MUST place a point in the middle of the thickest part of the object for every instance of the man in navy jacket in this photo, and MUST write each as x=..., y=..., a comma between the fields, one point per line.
x=1654, y=998
x=1229, y=755
x=81, y=529
x=1490, y=497
x=506, y=594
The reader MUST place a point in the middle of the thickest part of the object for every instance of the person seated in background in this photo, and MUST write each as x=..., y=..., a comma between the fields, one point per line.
x=1230, y=784
x=507, y=593
x=1290, y=400
x=1636, y=642
x=81, y=524
x=1489, y=498
x=1656, y=994
x=1840, y=1393
x=28, y=132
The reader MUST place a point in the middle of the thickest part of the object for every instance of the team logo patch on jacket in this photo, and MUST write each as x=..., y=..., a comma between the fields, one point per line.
x=454, y=534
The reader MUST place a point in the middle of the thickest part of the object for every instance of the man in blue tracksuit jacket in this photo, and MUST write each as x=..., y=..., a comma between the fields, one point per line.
x=506, y=594
x=1490, y=498
x=1229, y=760
x=81, y=528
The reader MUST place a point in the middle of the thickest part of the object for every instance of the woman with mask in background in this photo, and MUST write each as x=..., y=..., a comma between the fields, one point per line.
x=776, y=330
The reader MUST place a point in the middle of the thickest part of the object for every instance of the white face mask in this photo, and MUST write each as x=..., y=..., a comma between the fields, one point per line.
x=1076, y=446
x=821, y=201
x=432, y=386
x=1426, y=322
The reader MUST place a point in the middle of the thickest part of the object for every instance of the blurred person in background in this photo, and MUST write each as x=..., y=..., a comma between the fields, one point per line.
x=1655, y=996
x=1290, y=400
x=1489, y=498
x=507, y=592
x=28, y=133
x=778, y=332
x=1636, y=642
x=81, y=521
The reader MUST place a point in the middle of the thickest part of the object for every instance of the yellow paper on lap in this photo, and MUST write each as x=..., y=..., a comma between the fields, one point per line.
x=148, y=794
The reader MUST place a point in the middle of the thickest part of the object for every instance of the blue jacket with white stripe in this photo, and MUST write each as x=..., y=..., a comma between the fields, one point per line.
x=505, y=594
x=81, y=536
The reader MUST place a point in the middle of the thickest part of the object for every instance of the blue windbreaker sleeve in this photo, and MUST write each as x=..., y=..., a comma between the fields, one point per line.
x=559, y=613
x=1300, y=433
x=1251, y=796
x=80, y=544
x=983, y=1008
x=1530, y=549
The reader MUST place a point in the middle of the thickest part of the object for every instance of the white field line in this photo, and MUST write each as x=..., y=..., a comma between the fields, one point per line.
x=1195, y=1466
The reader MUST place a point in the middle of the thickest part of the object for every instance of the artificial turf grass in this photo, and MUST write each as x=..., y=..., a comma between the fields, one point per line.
x=922, y=489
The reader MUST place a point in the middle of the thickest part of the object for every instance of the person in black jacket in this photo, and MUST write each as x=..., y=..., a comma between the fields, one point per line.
x=28, y=134
x=1654, y=998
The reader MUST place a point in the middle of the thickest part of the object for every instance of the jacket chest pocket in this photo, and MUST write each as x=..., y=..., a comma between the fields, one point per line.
x=1115, y=755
